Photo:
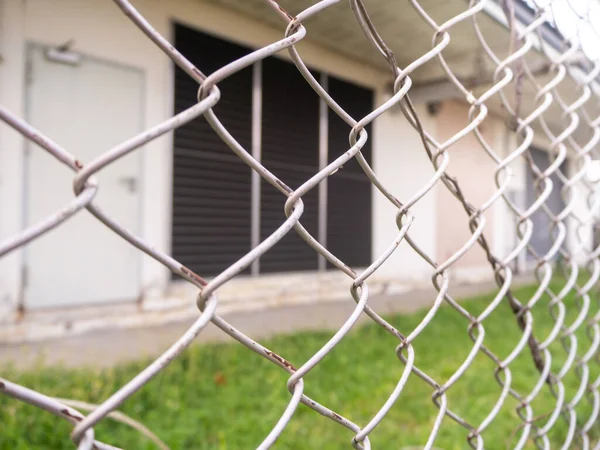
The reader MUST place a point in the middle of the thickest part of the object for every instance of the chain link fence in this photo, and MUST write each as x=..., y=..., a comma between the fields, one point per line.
x=529, y=79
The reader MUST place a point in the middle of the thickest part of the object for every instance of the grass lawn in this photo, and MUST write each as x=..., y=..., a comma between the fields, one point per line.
x=226, y=397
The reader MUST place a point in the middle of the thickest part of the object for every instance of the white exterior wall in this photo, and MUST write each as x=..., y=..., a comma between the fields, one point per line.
x=580, y=236
x=506, y=237
x=503, y=219
x=402, y=164
x=99, y=29
x=12, y=70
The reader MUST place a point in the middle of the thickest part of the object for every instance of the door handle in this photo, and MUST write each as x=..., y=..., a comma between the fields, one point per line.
x=129, y=182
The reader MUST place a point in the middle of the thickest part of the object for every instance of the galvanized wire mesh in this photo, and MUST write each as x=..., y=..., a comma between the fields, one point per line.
x=563, y=77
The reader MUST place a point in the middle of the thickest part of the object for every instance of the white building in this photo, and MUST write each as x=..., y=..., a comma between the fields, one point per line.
x=187, y=193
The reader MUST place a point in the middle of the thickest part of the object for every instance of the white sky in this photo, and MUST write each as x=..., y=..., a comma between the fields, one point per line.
x=578, y=21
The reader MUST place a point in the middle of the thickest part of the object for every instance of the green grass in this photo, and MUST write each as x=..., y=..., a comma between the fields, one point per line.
x=226, y=397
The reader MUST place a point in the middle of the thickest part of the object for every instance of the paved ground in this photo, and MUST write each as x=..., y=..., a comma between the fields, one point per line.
x=107, y=347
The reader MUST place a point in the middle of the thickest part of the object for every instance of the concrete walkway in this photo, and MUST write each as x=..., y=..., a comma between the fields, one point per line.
x=108, y=347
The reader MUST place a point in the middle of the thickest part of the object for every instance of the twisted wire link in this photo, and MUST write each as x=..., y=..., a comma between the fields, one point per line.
x=543, y=186
x=502, y=271
x=541, y=355
x=557, y=308
x=570, y=253
x=514, y=73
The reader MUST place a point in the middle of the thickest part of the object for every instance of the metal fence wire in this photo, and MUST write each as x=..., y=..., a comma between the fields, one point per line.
x=531, y=77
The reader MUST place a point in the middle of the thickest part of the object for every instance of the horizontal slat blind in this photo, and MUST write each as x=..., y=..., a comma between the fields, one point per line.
x=349, y=212
x=211, y=186
x=290, y=149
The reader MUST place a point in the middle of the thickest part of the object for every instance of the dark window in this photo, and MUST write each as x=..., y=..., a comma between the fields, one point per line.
x=349, y=189
x=290, y=149
x=211, y=185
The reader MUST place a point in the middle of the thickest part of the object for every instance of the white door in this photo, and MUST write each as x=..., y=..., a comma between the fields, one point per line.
x=87, y=108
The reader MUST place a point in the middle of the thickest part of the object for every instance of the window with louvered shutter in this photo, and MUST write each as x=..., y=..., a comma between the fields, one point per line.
x=349, y=214
x=211, y=185
x=212, y=191
x=290, y=149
